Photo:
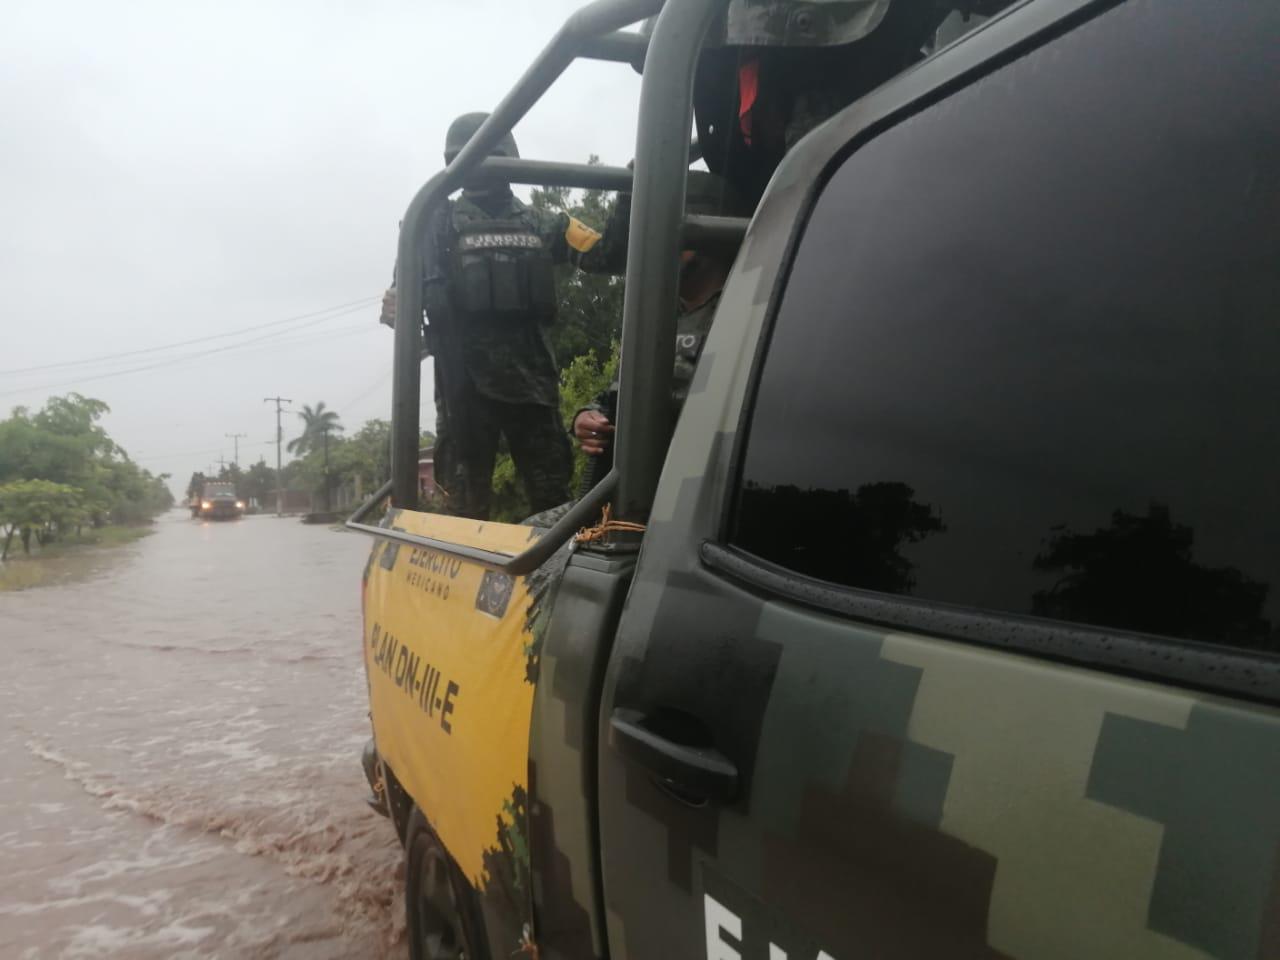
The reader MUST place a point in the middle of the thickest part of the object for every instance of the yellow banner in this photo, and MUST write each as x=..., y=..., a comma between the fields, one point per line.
x=447, y=649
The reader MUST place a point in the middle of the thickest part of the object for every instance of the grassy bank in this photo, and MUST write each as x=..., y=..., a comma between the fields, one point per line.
x=63, y=560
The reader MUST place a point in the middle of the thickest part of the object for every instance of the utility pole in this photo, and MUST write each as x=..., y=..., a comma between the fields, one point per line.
x=235, y=438
x=279, y=448
x=326, y=468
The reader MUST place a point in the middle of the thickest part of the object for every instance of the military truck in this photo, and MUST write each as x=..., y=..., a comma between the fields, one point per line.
x=946, y=623
x=218, y=501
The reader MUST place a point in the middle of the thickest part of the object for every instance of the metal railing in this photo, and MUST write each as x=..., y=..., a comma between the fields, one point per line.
x=516, y=565
x=657, y=230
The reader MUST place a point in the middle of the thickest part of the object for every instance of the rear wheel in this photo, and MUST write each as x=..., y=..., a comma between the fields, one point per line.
x=442, y=913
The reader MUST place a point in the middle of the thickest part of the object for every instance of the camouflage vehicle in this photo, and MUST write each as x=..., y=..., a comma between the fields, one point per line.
x=947, y=623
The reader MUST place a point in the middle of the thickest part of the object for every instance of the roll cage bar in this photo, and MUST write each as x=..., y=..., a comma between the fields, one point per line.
x=657, y=231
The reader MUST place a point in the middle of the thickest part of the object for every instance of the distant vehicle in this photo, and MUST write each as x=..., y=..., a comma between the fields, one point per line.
x=218, y=501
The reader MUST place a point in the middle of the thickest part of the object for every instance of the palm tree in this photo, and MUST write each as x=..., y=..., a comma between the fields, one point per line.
x=317, y=424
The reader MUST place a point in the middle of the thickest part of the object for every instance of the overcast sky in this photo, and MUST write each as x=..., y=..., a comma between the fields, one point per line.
x=175, y=170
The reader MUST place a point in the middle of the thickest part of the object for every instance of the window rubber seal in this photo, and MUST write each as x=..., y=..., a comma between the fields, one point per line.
x=1202, y=667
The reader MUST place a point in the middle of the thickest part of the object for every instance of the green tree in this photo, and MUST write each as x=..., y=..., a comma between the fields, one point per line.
x=589, y=314
x=77, y=416
x=320, y=426
x=65, y=443
x=317, y=423
x=364, y=457
x=40, y=507
x=133, y=495
x=295, y=476
x=259, y=482
x=61, y=442
x=196, y=484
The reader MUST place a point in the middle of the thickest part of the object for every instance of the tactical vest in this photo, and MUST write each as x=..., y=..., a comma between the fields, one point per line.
x=502, y=268
x=691, y=336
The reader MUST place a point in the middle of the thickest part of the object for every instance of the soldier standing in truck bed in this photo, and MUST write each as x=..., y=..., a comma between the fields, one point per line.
x=776, y=69
x=702, y=275
x=490, y=300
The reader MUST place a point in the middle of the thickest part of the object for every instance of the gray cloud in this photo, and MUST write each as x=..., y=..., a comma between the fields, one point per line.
x=175, y=170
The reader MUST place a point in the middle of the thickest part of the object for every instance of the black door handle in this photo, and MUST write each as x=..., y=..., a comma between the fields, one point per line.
x=698, y=772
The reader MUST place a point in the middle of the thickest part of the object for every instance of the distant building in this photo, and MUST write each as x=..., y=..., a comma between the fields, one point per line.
x=427, y=488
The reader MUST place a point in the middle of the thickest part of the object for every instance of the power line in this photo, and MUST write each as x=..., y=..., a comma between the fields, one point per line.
x=197, y=453
x=361, y=303
x=382, y=379
x=170, y=361
x=175, y=456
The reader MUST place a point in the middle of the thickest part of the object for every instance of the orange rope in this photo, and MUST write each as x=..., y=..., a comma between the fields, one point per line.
x=606, y=526
x=527, y=946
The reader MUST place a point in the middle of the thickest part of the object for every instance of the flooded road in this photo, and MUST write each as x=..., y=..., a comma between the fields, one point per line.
x=179, y=755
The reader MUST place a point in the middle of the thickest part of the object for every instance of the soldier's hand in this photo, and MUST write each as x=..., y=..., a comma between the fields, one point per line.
x=388, y=315
x=591, y=429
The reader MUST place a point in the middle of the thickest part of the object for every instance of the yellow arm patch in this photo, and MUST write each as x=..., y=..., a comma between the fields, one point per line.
x=579, y=236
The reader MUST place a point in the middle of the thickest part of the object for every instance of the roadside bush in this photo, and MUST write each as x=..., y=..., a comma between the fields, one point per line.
x=40, y=508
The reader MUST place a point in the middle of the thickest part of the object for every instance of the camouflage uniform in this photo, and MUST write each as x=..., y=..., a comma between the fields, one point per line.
x=692, y=328
x=716, y=198
x=510, y=379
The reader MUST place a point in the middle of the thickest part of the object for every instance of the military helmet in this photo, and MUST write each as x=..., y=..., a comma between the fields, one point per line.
x=799, y=23
x=464, y=128
x=789, y=23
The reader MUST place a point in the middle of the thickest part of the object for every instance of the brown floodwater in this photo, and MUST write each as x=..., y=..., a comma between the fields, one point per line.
x=179, y=753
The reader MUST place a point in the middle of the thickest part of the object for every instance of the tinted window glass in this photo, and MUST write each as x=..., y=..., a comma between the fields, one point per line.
x=1027, y=357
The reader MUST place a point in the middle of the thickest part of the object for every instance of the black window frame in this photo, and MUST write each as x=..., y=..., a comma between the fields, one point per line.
x=1242, y=674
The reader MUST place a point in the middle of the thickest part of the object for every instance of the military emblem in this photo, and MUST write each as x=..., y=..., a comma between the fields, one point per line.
x=494, y=593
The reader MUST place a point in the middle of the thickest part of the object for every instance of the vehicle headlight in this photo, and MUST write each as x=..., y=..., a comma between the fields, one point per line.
x=205, y=505
x=239, y=504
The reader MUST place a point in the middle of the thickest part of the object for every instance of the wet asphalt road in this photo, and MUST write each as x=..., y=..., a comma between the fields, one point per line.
x=179, y=753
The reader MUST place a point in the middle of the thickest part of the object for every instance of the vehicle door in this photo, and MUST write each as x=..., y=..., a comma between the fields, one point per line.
x=956, y=632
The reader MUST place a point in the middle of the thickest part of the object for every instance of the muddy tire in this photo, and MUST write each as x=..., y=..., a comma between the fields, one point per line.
x=441, y=910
